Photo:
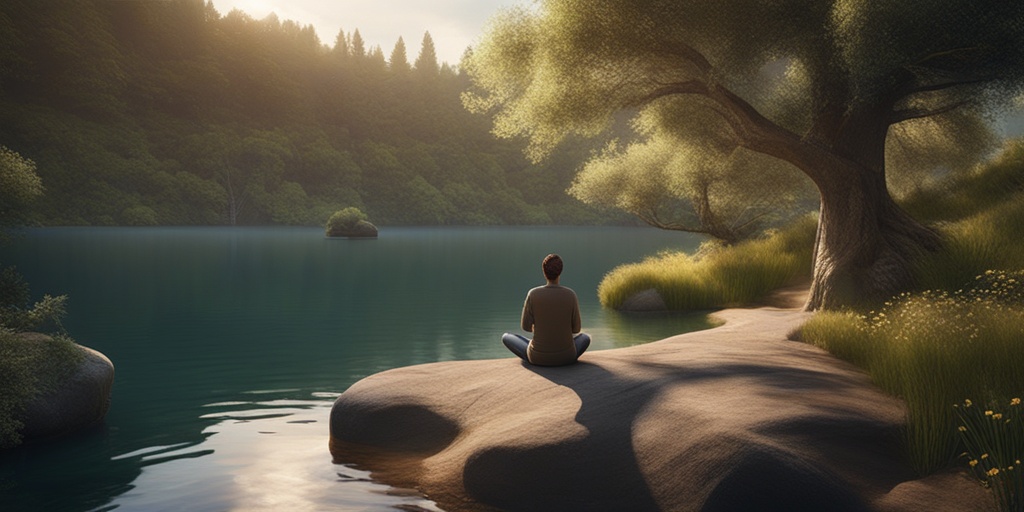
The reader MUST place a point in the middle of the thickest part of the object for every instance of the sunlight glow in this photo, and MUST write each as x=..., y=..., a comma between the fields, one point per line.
x=454, y=25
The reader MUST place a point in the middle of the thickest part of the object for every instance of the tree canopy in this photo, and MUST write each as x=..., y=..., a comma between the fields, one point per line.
x=820, y=85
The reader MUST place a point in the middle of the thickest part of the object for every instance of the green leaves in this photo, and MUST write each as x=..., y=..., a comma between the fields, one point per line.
x=19, y=184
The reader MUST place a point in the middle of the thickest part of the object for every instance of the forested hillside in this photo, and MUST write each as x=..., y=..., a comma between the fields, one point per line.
x=170, y=113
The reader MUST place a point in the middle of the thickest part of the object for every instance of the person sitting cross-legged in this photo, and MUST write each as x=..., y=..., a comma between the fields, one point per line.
x=552, y=313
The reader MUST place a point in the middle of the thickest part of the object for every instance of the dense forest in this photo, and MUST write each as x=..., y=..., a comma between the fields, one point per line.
x=170, y=113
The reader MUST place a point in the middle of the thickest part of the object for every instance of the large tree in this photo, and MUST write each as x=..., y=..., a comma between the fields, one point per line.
x=816, y=83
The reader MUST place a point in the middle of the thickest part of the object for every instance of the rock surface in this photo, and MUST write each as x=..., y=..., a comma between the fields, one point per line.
x=361, y=229
x=645, y=300
x=79, y=402
x=732, y=418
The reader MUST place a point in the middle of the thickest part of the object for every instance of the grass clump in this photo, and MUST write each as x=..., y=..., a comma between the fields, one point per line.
x=933, y=349
x=965, y=195
x=986, y=240
x=980, y=215
x=717, y=276
x=994, y=439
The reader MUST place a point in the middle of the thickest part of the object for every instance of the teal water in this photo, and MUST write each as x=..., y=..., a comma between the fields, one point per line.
x=230, y=345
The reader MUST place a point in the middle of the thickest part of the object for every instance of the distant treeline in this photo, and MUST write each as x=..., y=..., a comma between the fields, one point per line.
x=168, y=113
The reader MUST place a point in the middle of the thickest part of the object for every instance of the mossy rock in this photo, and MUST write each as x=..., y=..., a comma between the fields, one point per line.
x=78, y=398
x=361, y=229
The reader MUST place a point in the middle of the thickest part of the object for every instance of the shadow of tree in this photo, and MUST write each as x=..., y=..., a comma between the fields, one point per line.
x=600, y=470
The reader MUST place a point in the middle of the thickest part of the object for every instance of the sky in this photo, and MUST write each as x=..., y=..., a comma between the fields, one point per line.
x=453, y=24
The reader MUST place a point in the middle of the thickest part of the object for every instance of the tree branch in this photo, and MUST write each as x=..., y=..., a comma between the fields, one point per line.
x=907, y=114
x=689, y=87
x=949, y=84
x=752, y=130
x=692, y=55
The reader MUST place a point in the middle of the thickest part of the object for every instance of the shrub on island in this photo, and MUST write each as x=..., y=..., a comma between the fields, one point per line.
x=350, y=222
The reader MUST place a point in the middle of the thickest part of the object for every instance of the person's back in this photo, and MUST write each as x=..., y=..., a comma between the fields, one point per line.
x=552, y=313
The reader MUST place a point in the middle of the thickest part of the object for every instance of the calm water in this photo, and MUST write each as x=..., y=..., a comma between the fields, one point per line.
x=231, y=344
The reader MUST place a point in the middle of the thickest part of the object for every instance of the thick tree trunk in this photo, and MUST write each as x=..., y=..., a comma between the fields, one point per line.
x=865, y=245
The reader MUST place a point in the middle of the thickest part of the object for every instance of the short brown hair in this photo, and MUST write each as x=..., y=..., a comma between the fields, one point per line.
x=552, y=266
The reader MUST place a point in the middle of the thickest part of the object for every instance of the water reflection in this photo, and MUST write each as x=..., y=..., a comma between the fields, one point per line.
x=628, y=329
x=268, y=454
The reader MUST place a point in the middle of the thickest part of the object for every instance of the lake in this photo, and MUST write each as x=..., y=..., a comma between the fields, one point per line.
x=230, y=345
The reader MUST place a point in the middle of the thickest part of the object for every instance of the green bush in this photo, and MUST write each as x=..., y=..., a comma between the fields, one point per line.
x=718, y=276
x=17, y=313
x=345, y=219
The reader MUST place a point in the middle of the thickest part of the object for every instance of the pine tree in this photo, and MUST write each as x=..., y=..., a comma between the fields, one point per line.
x=426, y=63
x=399, y=63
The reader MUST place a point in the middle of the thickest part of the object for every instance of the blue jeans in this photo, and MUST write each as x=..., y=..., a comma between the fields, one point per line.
x=518, y=344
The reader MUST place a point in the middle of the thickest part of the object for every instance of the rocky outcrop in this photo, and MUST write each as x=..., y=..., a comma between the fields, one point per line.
x=80, y=401
x=733, y=418
x=361, y=229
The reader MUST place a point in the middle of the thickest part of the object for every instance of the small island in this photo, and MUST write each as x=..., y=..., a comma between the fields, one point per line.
x=350, y=222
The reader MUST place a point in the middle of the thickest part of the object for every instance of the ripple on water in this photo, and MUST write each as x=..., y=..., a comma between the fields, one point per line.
x=266, y=455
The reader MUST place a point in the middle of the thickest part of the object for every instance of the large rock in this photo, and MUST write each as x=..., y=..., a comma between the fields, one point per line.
x=644, y=300
x=732, y=418
x=361, y=229
x=78, y=402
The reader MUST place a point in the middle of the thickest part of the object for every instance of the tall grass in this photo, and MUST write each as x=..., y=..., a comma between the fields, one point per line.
x=994, y=439
x=989, y=239
x=934, y=349
x=965, y=195
x=964, y=339
x=720, y=276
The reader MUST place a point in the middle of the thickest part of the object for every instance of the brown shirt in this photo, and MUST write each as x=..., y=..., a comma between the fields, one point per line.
x=552, y=314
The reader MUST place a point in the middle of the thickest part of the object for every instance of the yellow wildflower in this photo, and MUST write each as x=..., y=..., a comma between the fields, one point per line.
x=984, y=456
x=967, y=403
x=988, y=413
x=963, y=428
x=993, y=472
x=974, y=462
x=1015, y=401
x=997, y=416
